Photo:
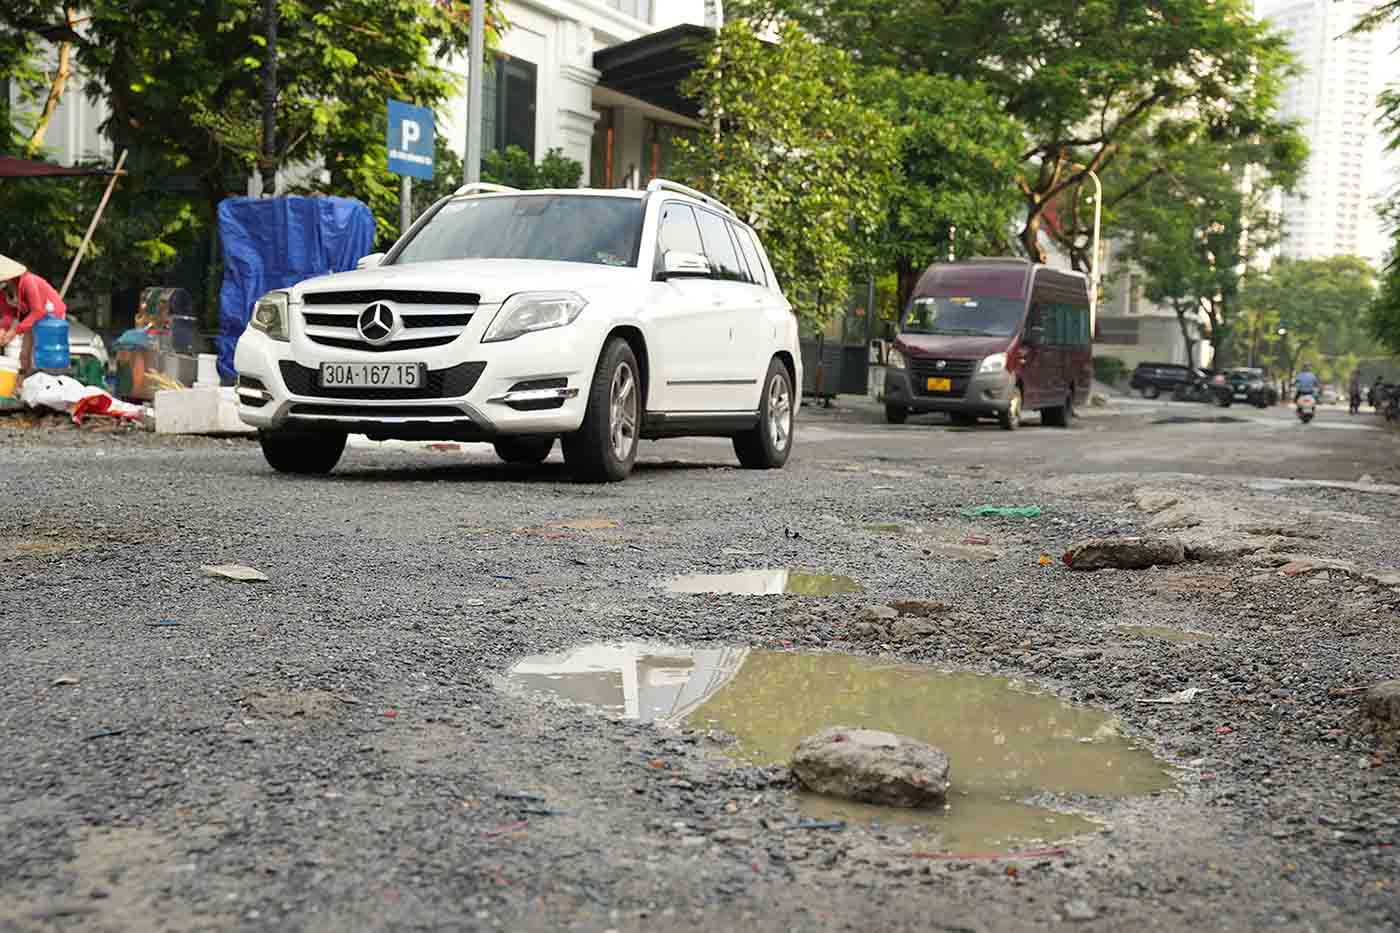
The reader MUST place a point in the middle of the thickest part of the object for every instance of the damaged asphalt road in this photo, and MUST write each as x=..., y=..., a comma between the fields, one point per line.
x=339, y=747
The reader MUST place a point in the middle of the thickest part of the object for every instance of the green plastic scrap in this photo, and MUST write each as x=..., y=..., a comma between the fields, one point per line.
x=1003, y=511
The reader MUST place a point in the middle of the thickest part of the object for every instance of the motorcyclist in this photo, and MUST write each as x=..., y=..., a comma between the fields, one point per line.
x=1373, y=398
x=1354, y=391
x=1306, y=383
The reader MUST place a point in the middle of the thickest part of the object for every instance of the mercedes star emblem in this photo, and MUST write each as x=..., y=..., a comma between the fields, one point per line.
x=941, y=364
x=376, y=323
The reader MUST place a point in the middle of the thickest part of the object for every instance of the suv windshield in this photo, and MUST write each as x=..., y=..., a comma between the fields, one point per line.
x=964, y=317
x=559, y=227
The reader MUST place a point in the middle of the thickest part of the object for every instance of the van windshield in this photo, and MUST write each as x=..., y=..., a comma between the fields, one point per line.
x=965, y=317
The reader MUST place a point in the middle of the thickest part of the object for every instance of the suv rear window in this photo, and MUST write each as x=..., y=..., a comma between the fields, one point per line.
x=558, y=227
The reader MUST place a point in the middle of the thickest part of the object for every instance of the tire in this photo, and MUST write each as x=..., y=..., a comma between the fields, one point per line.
x=526, y=448
x=1010, y=419
x=768, y=445
x=1150, y=391
x=604, y=447
x=1224, y=401
x=962, y=421
x=1059, y=416
x=304, y=453
x=896, y=414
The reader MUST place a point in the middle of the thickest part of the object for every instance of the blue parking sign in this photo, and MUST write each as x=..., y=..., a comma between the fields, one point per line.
x=410, y=140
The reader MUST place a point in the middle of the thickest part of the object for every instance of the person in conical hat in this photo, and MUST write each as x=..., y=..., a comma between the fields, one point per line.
x=24, y=300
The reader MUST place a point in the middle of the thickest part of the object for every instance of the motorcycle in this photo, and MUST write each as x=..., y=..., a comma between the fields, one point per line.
x=1306, y=408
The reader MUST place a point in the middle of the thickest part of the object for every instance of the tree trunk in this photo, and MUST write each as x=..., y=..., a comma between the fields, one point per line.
x=908, y=280
x=1185, y=327
x=1030, y=240
x=57, y=86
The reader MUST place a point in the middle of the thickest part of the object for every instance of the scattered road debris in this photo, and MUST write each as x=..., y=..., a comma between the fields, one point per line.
x=236, y=572
x=1181, y=696
x=871, y=766
x=1003, y=511
x=1124, y=553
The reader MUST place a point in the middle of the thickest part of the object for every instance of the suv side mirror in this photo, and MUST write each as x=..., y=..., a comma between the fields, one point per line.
x=675, y=265
x=370, y=261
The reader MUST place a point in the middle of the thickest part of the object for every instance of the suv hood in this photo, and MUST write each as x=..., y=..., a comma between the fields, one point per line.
x=954, y=348
x=494, y=280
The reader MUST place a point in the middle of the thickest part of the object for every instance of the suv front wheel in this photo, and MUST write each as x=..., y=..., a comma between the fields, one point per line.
x=767, y=446
x=524, y=449
x=302, y=452
x=604, y=447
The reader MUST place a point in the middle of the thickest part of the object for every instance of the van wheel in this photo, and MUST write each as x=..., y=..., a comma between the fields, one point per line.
x=306, y=453
x=896, y=414
x=524, y=449
x=767, y=446
x=1011, y=418
x=1059, y=416
x=604, y=447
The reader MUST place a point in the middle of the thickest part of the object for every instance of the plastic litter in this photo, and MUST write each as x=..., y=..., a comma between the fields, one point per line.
x=1003, y=511
x=235, y=572
x=1181, y=696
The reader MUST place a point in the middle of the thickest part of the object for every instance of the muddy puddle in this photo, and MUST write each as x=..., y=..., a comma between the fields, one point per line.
x=1008, y=745
x=764, y=583
x=1179, y=636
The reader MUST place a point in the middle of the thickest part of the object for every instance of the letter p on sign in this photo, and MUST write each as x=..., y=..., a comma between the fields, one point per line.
x=410, y=133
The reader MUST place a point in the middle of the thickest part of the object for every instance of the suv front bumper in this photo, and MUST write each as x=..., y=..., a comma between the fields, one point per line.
x=537, y=384
x=985, y=394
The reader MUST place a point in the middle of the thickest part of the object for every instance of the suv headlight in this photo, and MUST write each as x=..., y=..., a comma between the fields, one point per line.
x=996, y=363
x=528, y=312
x=270, y=315
x=895, y=359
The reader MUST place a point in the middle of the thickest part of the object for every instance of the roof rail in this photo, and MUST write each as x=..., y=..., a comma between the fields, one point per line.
x=662, y=184
x=482, y=187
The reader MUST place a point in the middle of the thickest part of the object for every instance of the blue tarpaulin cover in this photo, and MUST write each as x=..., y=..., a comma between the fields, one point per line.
x=277, y=242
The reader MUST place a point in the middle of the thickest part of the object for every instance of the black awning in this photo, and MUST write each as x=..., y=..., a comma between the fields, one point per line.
x=653, y=67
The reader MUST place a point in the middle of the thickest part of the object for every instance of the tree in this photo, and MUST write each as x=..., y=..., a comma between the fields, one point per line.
x=792, y=150
x=1083, y=78
x=956, y=188
x=183, y=84
x=1321, y=307
x=1206, y=216
x=513, y=168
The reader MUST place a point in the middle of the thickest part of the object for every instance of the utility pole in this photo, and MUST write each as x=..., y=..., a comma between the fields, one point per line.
x=476, y=53
x=268, y=163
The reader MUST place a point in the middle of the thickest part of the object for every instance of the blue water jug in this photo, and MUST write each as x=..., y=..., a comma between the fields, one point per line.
x=51, y=341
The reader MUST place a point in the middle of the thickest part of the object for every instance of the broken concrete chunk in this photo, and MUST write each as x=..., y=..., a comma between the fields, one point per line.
x=1153, y=501
x=872, y=767
x=235, y=572
x=1124, y=553
x=1380, y=712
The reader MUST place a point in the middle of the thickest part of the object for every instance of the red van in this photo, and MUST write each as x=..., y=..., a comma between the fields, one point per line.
x=992, y=337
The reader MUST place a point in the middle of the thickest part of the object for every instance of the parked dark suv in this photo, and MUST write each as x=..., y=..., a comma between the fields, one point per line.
x=1245, y=385
x=1152, y=379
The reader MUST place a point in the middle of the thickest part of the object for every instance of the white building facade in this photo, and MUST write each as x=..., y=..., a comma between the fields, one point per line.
x=1334, y=99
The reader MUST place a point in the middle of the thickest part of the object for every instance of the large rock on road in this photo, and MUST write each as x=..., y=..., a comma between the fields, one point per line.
x=1124, y=553
x=872, y=767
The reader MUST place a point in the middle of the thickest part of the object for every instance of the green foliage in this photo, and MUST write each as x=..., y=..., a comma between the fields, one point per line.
x=1384, y=316
x=1083, y=78
x=514, y=168
x=957, y=152
x=1109, y=369
x=792, y=150
x=1322, y=306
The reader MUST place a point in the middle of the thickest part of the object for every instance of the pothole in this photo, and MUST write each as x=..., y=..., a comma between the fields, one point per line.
x=765, y=583
x=1008, y=745
x=1177, y=635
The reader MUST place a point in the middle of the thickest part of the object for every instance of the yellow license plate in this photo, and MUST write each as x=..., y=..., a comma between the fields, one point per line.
x=940, y=385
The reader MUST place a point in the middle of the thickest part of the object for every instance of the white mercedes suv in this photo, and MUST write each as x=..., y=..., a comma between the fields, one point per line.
x=517, y=317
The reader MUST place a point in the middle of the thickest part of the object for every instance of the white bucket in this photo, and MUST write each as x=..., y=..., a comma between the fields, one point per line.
x=207, y=374
x=13, y=349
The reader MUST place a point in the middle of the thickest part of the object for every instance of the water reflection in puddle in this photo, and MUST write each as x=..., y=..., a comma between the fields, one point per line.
x=1180, y=636
x=1006, y=744
x=765, y=583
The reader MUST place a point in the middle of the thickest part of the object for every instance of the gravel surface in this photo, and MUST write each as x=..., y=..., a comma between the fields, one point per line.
x=333, y=749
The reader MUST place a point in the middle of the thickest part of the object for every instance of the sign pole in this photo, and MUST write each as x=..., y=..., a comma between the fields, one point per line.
x=477, y=57
x=405, y=204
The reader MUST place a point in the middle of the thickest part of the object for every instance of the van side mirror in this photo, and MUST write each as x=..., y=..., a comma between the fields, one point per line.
x=1035, y=336
x=677, y=265
x=370, y=261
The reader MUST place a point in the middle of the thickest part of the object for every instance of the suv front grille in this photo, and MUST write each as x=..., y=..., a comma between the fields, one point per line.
x=959, y=372
x=440, y=383
x=424, y=319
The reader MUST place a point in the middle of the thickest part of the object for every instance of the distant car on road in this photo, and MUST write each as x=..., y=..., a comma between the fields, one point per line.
x=1247, y=385
x=597, y=317
x=1152, y=379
